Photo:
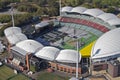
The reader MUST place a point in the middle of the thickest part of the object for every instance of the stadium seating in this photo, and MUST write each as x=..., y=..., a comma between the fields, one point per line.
x=85, y=22
x=90, y=18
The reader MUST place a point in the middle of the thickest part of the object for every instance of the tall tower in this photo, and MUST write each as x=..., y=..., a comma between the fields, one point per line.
x=60, y=7
x=77, y=59
x=12, y=17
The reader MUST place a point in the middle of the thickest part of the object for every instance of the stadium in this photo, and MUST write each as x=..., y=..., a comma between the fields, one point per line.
x=96, y=32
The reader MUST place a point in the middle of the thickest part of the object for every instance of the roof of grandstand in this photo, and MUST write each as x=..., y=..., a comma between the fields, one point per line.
x=107, y=16
x=79, y=9
x=115, y=21
x=68, y=56
x=97, y=13
x=19, y=50
x=48, y=53
x=107, y=45
x=41, y=24
x=12, y=30
x=14, y=35
x=30, y=46
x=15, y=38
x=66, y=9
x=93, y=12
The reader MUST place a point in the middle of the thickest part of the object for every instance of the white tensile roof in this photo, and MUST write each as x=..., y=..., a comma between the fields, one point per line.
x=12, y=30
x=107, y=16
x=30, y=46
x=107, y=45
x=66, y=9
x=93, y=12
x=79, y=9
x=41, y=24
x=68, y=56
x=114, y=22
x=110, y=18
x=19, y=50
x=48, y=53
x=15, y=38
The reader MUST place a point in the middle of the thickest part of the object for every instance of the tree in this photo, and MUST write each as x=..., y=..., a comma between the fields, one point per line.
x=27, y=8
x=5, y=18
x=42, y=2
x=40, y=12
x=97, y=3
x=52, y=11
x=111, y=10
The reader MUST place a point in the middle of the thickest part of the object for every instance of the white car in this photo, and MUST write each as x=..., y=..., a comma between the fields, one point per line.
x=1, y=63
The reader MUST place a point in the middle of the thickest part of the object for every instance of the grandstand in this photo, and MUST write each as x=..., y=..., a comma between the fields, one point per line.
x=92, y=28
x=94, y=23
x=14, y=35
x=110, y=49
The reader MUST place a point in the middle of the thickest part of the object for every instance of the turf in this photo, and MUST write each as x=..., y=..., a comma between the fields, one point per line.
x=71, y=44
x=50, y=76
x=19, y=77
x=7, y=73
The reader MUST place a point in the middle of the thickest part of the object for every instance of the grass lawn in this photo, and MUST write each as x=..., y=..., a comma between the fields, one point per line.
x=19, y=77
x=50, y=76
x=7, y=73
x=68, y=46
x=32, y=68
x=71, y=44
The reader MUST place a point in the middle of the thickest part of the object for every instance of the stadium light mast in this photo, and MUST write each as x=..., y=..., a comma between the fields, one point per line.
x=13, y=22
x=60, y=7
x=90, y=69
x=77, y=59
x=77, y=62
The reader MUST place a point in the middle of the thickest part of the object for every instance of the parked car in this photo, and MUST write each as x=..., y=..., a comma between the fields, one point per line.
x=1, y=63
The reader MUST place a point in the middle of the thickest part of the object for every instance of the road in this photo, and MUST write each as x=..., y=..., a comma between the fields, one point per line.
x=8, y=11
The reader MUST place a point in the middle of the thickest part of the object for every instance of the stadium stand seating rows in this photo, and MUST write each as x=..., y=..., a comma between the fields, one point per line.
x=67, y=26
x=85, y=22
x=89, y=18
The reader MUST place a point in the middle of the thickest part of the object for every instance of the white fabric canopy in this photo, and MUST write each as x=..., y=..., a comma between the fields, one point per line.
x=30, y=46
x=48, y=53
x=107, y=16
x=13, y=39
x=68, y=56
x=41, y=24
x=79, y=9
x=66, y=9
x=107, y=45
x=19, y=50
x=93, y=12
x=12, y=30
x=114, y=22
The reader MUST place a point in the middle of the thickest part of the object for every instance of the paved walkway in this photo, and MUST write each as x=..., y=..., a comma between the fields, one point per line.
x=103, y=72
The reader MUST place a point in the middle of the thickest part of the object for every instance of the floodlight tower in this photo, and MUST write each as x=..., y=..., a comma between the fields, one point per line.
x=77, y=59
x=13, y=22
x=60, y=7
x=77, y=62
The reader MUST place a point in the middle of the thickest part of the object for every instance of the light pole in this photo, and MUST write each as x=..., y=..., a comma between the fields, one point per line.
x=12, y=17
x=77, y=59
x=90, y=69
x=77, y=55
x=60, y=7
